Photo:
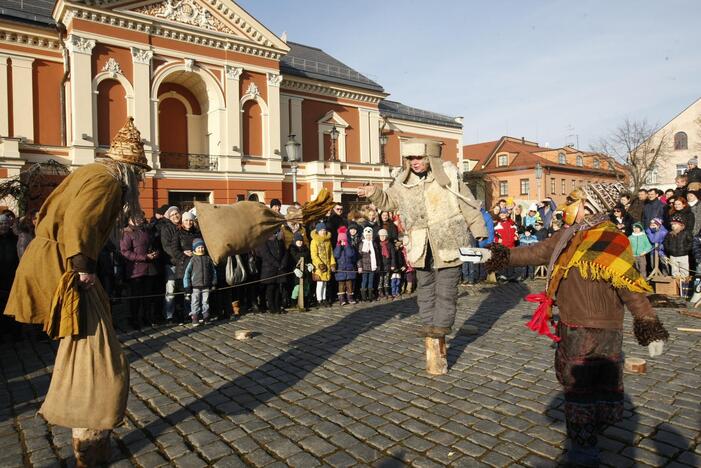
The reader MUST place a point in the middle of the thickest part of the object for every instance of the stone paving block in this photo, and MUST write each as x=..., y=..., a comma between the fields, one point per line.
x=317, y=446
x=340, y=460
x=215, y=451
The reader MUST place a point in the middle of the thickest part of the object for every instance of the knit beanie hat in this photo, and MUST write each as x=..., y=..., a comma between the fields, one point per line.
x=638, y=225
x=319, y=226
x=382, y=232
x=188, y=215
x=657, y=221
x=169, y=212
x=678, y=219
x=694, y=161
x=342, y=234
x=353, y=225
x=298, y=237
x=197, y=243
x=162, y=210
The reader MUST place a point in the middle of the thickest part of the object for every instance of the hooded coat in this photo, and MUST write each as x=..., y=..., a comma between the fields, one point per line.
x=639, y=242
x=322, y=254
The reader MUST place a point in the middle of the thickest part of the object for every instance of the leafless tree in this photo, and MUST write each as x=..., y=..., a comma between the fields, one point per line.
x=637, y=148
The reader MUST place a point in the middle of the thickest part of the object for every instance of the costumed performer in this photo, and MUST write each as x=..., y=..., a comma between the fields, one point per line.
x=439, y=214
x=56, y=286
x=591, y=277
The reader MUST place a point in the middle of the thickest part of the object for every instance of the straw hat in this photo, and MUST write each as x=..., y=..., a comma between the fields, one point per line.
x=127, y=146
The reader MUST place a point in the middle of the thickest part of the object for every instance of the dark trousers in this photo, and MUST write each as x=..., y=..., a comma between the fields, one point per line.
x=272, y=297
x=142, y=310
x=437, y=295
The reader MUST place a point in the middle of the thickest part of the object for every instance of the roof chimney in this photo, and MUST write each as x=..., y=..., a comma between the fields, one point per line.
x=283, y=37
x=523, y=139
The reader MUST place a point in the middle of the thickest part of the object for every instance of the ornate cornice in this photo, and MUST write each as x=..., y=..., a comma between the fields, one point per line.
x=317, y=88
x=141, y=55
x=274, y=79
x=31, y=40
x=214, y=40
x=80, y=45
x=189, y=64
x=233, y=73
x=112, y=67
x=252, y=90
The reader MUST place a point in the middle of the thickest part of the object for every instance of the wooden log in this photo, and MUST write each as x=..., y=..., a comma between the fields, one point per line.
x=635, y=365
x=689, y=313
x=436, y=356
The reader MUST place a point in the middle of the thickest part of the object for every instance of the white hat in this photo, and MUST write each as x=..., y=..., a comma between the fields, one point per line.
x=533, y=207
x=368, y=230
x=188, y=215
x=382, y=232
x=421, y=147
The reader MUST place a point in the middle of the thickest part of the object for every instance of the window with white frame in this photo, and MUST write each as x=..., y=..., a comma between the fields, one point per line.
x=552, y=186
x=563, y=187
x=525, y=186
x=503, y=188
x=561, y=158
x=503, y=160
x=681, y=169
x=580, y=160
x=651, y=177
x=597, y=164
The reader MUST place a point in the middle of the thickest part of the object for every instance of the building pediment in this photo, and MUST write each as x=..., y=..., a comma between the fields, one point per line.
x=333, y=118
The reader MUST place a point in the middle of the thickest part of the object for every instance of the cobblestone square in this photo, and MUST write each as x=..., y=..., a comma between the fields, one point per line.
x=346, y=386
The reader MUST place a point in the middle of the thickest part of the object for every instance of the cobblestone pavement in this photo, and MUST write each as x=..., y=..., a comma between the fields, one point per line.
x=346, y=386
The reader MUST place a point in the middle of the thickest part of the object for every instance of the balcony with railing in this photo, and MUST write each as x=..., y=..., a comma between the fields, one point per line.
x=188, y=161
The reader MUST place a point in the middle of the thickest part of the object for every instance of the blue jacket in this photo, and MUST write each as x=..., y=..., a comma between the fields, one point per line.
x=527, y=240
x=657, y=237
x=547, y=218
x=346, y=259
x=489, y=222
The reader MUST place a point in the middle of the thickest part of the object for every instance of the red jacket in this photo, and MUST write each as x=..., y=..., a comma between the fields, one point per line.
x=505, y=233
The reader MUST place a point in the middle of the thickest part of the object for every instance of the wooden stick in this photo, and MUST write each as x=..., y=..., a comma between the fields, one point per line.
x=436, y=358
x=691, y=330
x=689, y=313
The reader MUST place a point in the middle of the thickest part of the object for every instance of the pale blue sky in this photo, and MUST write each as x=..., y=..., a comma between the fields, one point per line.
x=539, y=69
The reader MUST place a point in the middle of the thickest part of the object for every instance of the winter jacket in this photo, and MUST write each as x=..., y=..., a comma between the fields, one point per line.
x=657, y=237
x=184, y=243
x=640, y=244
x=168, y=233
x=135, y=244
x=696, y=211
x=489, y=224
x=200, y=273
x=541, y=234
x=547, y=217
x=346, y=259
x=388, y=263
x=274, y=261
x=322, y=254
x=527, y=240
x=333, y=223
x=297, y=253
x=365, y=260
x=582, y=302
x=654, y=209
x=635, y=210
x=678, y=245
x=505, y=233
x=626, y=220
x=530, y=220
x=693, y=175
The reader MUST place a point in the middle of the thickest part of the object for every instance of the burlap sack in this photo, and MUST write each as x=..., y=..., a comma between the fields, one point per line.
x=90, y=382
x=235, y=229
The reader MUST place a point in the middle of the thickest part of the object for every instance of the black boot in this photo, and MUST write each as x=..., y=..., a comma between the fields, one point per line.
x=364, y=295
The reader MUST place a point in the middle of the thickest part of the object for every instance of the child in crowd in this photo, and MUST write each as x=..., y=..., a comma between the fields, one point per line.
x=323, y=260
x=505, y=233
x=199, y=279
x=677, y=245
x=301, y=262
x=388, y=262
x=410, y=273
x=532, y=216
x=656, y=234
x=539, y=231
x=396, y=278
x=346, y=259
x=528, y=238
x=368, y=264
x=641, y=247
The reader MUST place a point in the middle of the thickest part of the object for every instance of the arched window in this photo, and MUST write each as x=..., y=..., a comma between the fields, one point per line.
x=680, y=141
x=597, y=164
x=580, y=160
x=252, y=129
x=111, y=110
x=561, y=158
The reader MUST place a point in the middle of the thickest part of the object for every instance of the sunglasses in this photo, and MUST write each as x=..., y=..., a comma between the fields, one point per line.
x=415, y=158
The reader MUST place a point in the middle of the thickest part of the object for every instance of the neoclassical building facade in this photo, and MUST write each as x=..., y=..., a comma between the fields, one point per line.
x=215, y=94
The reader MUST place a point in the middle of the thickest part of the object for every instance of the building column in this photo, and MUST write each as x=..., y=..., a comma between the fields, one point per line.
x=274, y=160
x=23, y=98
x=4, y=101
x=143, y=119
x=296, y=123
x=82, y=141
x=233, y=143
x=374, y=134
x=364, y=135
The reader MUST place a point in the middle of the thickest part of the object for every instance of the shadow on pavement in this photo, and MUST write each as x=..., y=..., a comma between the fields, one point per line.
x=248, y=391
x=499, y=299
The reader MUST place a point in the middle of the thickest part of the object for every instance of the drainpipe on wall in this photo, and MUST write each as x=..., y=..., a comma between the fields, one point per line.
x=61, y=29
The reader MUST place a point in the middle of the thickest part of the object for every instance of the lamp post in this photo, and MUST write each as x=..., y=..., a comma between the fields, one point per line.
x=383, y=142
x=334, y=138
x=292, y=150
x=538, y=177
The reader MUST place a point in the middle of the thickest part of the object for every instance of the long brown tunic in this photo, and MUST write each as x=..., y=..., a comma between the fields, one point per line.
x=76, y=219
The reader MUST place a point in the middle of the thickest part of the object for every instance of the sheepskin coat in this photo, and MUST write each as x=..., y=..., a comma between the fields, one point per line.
x=433, y=216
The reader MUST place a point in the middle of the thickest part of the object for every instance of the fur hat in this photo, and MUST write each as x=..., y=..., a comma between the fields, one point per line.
x=197, y=243
x=368, y=230
x=354, y=225
x=382, y=232
x=189, y=215
x=320, y=226
x=430, y=149
x=169, y=212
x=597, y=197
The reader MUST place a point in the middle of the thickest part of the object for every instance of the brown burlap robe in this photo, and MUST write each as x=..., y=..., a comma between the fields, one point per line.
x=239, y=228
x=90, y=381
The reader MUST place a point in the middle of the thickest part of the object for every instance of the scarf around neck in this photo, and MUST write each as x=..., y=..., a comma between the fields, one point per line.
x=369, y=246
